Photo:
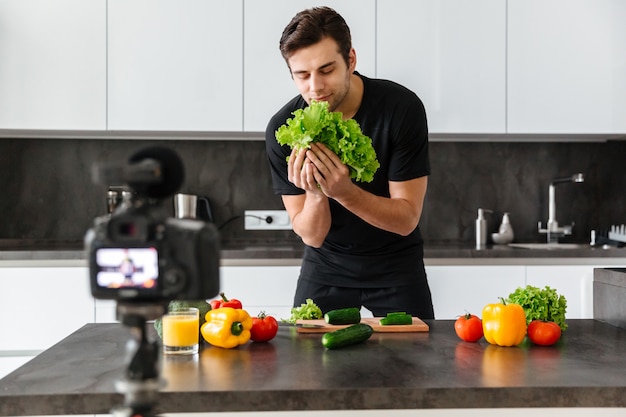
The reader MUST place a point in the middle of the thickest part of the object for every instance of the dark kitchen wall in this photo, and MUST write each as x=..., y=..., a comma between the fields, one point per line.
x=48, y=194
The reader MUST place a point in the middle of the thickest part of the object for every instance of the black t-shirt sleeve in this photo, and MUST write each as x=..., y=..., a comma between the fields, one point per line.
x=409, y=158
x=277, y=154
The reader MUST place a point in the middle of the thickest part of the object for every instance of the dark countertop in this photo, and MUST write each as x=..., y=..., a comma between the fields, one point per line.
x=294, y=372
x=18, y=250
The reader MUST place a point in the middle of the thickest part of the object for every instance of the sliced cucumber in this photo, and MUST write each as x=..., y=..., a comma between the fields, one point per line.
x=357, y=333
x=350, y=315
x=396, y=319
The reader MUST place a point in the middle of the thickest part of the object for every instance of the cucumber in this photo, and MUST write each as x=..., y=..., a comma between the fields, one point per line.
x=357, y=333
x=349, y=315
x=396, y=319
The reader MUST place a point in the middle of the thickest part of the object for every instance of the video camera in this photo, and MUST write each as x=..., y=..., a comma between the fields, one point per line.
x=138, y=254
x=143, y=259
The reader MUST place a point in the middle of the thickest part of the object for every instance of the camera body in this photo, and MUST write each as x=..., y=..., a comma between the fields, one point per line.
x=140, y=254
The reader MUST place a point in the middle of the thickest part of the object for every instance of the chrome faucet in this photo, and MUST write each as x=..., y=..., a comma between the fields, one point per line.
x=552, y=230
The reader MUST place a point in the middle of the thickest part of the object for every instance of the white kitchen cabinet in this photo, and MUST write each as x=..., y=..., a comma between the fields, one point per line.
x=575, y=283
x=452, y=54
x=105, y=311
x=175, y=65
x=566, y=66
x=42, y=305
x=10, y=363
x=53, y=64
x=267, y=81
x=461, y=289
x=261, y=288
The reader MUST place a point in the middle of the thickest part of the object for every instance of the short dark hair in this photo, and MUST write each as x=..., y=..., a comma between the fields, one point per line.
x=312, y=25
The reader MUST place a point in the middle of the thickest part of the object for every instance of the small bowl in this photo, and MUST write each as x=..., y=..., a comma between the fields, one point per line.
x=500, y=239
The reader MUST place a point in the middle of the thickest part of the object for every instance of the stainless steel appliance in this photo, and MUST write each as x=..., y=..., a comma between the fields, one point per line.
x=191, y=206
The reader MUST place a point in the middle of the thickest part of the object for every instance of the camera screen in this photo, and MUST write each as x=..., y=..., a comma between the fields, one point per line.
x=127, y=268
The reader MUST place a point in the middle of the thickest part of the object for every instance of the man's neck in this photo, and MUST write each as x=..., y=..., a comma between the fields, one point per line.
x=352, y=102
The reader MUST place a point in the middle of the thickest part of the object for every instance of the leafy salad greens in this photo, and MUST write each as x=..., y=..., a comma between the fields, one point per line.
x=316, y=123
x=308, y=311
x=541, y=304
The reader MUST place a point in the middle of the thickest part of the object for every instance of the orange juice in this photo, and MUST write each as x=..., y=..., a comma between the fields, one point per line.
x=180, y=329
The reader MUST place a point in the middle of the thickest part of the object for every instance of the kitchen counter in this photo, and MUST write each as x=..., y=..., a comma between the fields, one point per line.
x=429, y=370
x=291, y=253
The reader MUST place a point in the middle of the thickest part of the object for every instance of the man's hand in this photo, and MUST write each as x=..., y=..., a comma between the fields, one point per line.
x=329, y=172
x=301, y=172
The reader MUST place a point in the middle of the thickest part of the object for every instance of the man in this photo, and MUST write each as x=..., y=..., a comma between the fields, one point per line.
x=363, y=245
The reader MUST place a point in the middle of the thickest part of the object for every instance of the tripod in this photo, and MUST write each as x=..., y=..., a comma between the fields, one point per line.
x=141, y=383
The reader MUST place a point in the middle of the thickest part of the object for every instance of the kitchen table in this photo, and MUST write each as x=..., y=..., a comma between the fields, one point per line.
x=424, y=370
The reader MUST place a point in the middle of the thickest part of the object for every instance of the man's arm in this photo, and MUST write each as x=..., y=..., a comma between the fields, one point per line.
x=310, y=212
x=400, y=213
x=310, y=217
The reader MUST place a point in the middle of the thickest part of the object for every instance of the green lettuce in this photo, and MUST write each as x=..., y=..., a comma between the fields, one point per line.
x=344, y=137
x=541, y=304
x=308, y=311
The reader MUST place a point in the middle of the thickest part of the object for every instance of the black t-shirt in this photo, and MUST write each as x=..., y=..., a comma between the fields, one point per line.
x=355, y=253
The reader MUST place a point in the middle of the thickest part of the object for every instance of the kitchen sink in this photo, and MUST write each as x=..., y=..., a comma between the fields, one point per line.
x=550, y=246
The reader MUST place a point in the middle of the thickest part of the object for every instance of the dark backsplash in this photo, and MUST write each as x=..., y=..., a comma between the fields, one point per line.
x=47, y=192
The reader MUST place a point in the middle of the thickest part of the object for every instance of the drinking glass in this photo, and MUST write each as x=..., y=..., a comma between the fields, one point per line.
x=180, y=331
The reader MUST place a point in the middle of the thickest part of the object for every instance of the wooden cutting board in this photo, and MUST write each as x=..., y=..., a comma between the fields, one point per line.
x=417, y=326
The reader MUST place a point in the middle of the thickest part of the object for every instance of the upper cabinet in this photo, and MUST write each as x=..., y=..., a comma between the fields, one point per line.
x=452, y=54
x=481, y=67
x=267, y=81
x=566, y=66
x=175, y=65
x=53, y=64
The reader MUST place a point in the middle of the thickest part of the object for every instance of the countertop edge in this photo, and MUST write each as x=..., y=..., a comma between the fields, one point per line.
x=335, y=400
x=261, y=261
x=278, y=262
x=291, y=255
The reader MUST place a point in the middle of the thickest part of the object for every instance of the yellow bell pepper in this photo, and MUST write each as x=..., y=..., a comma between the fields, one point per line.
x=227, y=327
x=504, y=324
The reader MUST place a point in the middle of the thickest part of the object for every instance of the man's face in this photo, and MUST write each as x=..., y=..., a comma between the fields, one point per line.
x=321, y=74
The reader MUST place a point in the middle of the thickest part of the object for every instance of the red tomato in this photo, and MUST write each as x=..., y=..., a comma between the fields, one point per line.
x=469, y=327
x=264, y=328
x=544, y=333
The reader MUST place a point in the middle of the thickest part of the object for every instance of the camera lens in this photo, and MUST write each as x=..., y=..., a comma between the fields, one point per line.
x=127, y=229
